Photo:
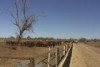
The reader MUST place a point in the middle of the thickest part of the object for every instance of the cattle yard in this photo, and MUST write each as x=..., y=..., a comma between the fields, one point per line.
x=47, y=54
x=32, y=54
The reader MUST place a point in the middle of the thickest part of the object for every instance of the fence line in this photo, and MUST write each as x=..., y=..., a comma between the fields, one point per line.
x=51, y=58
x=66, y=55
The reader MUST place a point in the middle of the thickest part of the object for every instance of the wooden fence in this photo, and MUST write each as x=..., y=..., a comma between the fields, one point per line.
x=51, y=58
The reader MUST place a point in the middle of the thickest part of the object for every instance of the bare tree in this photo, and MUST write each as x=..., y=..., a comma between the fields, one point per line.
x=22, y=19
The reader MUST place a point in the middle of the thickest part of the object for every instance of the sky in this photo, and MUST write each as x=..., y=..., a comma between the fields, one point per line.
x=64, y=18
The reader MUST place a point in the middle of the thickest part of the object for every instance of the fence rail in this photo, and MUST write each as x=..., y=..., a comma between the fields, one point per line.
x=53, y=57
x=49, y=59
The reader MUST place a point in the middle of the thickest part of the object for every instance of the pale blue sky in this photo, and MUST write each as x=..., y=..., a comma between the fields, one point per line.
x=65, y=18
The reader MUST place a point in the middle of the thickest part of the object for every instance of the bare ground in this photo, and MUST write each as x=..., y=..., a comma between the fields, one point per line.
x=38, y=53
x=85, y=56
x=26, y=52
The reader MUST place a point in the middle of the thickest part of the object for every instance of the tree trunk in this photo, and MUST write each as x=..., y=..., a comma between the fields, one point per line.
x=19, y=42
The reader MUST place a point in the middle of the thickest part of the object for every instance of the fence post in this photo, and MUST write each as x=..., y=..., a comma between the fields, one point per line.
x=56, y=57
x=49, y=58
x=32, y=63
x=60, y=56
x=66, y=48
x=63, y=50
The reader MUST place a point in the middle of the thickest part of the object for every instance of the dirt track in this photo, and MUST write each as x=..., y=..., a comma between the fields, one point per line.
x=85, y=56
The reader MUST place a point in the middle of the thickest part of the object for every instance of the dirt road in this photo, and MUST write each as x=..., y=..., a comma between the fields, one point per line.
x=85, y=56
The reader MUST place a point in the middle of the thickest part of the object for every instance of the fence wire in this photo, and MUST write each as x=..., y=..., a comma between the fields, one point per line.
x=56, y=54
